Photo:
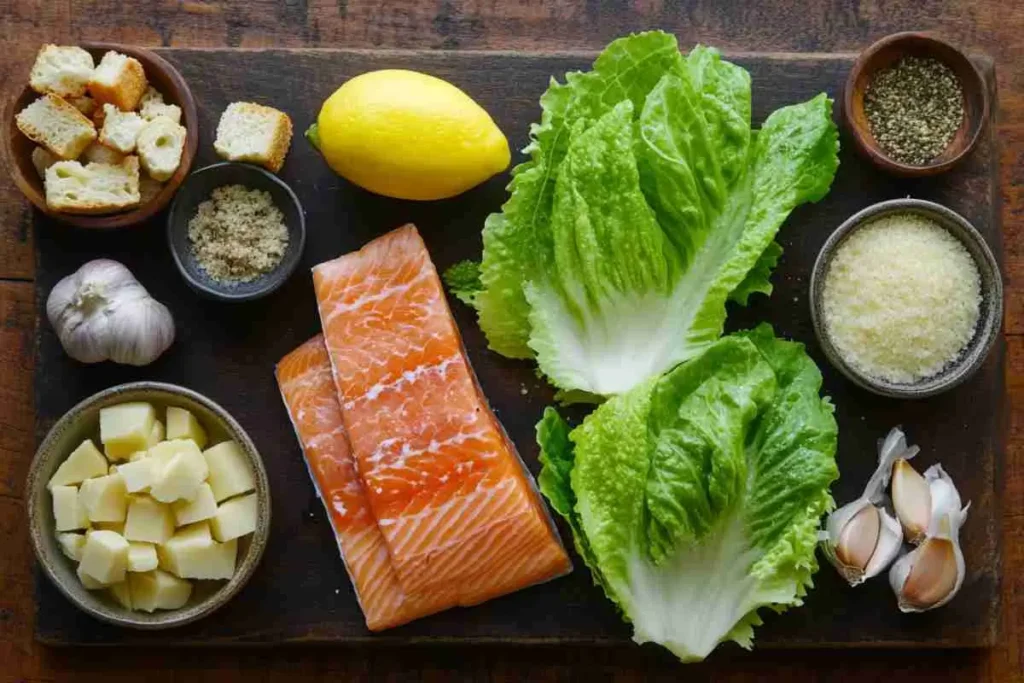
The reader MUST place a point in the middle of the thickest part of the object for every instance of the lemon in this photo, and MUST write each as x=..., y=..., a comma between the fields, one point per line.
x=409, y=135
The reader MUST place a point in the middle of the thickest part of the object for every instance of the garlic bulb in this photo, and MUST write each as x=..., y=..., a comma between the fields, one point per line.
x=861, y=538
x=101, y=312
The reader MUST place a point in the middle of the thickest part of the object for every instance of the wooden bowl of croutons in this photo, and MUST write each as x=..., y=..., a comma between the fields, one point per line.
x=102, y=134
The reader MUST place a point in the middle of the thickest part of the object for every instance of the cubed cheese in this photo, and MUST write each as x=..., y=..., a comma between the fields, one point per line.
x=234, y=518
x=157, y=435
x=193, y=554
x=68, y=512
x=181, y=424
x=230, y=473
x=138, y=455
x=110, y=526
x=165, y=450
x=139, y=475
x=105, y=557
x=126, y=428
x=149, y=521
x=122, y=594
x=85, y=462
x=89, y=582
x=141, y=557
x=181, y=477
x=71, y=545
x=105, y=498
x=158, y=590
x=204, y=506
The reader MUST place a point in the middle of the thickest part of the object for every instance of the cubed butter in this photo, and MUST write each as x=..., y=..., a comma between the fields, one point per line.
x=234, y=518
x=89, y=582
x=193, y=554
x=122, y=594
x=139, y=475
x=229, y=470
x=68, y=512
x=149, y=521
x=181, y=477
x=158, y=590
x=71, y=545
x=156, y=435
x=105, y=498
x=182, y=424
x=85, y=462
x=105, y=556
x=203, y=506
x=126, y=428
x=142, y=557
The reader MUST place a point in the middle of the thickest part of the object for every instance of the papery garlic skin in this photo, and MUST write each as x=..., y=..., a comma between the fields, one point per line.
x=101, y=312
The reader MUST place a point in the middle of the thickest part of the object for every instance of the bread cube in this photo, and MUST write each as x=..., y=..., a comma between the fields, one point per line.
x=122, y=594
x=101, y=154
x=105, y=557
x=125, y=428
x=92, y=189
x=105, y=499
x=182, y=424
x=89, y=582
x=234, y=518
x=120, y=129
x=43, y=159
x=149, y=521
x=157, y=435
x=149, y=189
x=71, y=545
x=158, y=590
x=142, y=557
x=254, y=133
x=68, y=512
x=57, y=126
x=230, y=473
x=181, y=477
x=63, y=70
x=119, y=80
x=193, y=554
x=84, y=104
x=153, y=105
x=139, y=475
x=160, y=145
x=204, y=506
x=85, y=462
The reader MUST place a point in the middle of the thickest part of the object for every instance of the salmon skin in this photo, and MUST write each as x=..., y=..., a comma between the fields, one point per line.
x=458, y=510
x=307, y=386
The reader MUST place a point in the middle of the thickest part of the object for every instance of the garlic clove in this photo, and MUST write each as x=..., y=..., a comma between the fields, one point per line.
x=929, y=576
x=912, y=500
x=946, y=503
x=858, y=538
x=890, y=541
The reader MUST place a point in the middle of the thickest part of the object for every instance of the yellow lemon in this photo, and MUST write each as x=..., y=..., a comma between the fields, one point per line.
x=409, y=135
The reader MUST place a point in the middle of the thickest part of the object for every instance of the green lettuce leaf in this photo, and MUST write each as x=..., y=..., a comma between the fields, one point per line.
x=698, y=494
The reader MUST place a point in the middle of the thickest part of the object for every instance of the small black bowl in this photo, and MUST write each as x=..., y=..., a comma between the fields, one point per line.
x=196, y=189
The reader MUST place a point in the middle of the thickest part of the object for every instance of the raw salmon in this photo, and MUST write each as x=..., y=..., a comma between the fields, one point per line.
x=453, y=500
x=307, y=386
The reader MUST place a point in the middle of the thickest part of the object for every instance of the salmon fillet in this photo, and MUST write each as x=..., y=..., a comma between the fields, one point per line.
x=453, y=500
x=307, y=386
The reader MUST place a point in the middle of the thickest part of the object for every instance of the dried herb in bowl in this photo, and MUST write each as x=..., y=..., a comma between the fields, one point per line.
x=914, y=109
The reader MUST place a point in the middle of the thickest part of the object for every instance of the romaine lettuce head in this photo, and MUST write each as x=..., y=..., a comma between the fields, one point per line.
x=647, y=202
x=695, y=498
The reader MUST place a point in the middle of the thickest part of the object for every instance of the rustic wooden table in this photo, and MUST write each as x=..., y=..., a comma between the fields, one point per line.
x=992, y=26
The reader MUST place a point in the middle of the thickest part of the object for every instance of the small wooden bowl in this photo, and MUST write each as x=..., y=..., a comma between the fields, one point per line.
x=883, y=54
x=17, y=148
x=82, y=422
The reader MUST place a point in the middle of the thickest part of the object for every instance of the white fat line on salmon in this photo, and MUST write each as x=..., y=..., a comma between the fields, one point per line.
x=399, y=459
x=341, y=308
x=315, y=441
x=408, y=377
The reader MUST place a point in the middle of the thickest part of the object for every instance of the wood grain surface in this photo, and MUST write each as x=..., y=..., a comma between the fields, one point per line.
x=225, y=352
x=771, y=25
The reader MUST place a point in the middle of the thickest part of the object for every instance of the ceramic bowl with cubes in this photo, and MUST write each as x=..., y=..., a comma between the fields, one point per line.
x=149, y=505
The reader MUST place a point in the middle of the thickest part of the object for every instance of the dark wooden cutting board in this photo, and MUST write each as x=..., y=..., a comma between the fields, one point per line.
x=300, y=593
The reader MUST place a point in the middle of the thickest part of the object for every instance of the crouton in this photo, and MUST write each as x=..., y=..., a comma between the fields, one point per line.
x=160, y=145
x=252, y=132
x=119, y=80
x=53, y=123
x=94, y=188
x=43, y=159
x=120, y=128
x=153, y=105
x=101, y=154
x=62, y=70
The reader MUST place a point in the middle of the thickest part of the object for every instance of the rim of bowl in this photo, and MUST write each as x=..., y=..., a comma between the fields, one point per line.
x=986, y=330
x=225, y=294
x=874, y=151
x=258, y=543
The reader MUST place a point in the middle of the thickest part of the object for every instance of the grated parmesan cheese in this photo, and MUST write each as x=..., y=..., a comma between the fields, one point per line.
x=901, y=298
